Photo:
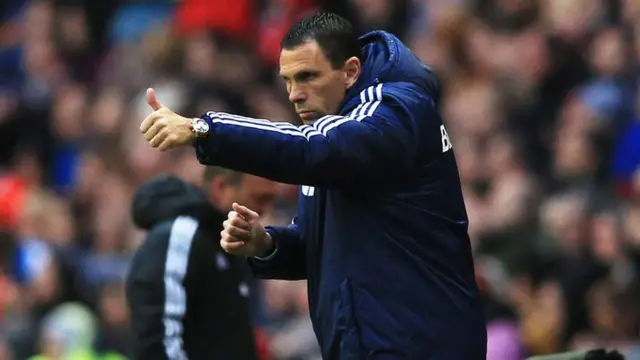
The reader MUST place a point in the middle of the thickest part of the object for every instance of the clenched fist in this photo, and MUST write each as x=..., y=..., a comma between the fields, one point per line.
x=243, y=235
x=163, y=128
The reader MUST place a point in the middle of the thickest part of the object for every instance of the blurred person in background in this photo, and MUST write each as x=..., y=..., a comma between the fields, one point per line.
x=186, y=296
x=68, y=333
x=114, y=326
x=376, y=166
x=613, y=312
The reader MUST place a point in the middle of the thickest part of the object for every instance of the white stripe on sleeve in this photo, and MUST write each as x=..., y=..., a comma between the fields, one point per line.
x=370, y=99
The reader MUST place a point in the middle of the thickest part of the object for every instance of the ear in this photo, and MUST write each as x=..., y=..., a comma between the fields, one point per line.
x=352, y=69
x=217, y=190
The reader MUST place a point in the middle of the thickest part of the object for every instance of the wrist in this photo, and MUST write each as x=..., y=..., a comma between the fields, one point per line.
x=198, y=128
x=269, y=246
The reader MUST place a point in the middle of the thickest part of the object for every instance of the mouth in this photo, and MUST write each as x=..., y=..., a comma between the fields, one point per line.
x=307, y=115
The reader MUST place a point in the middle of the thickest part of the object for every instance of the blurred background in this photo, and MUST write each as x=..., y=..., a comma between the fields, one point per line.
x=540, y=99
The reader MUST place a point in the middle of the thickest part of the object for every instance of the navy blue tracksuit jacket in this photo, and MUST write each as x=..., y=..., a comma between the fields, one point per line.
x=381, y=233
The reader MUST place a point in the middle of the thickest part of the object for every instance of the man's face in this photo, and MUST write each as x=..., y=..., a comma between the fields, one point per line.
x=315, y=88
x=256, y=193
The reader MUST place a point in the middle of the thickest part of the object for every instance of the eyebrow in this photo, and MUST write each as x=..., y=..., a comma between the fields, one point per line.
x=302, y=73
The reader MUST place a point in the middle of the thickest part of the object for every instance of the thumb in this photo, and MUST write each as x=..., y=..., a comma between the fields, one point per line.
x=245, y=212
x=152, y=100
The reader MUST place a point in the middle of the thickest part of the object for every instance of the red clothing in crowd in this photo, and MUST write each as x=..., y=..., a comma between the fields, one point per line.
x=236, y=18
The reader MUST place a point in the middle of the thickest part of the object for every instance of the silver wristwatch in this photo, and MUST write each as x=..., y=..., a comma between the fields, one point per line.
x=199, y=127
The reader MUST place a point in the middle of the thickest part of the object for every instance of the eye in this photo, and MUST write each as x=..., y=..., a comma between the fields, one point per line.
x=305, y=76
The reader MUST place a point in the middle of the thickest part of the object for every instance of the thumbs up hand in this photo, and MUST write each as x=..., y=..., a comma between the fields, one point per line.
x=243, y=235
x=163, y=128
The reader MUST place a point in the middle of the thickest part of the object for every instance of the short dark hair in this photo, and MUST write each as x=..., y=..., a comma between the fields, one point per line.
x=234, y=178
x=333, y=33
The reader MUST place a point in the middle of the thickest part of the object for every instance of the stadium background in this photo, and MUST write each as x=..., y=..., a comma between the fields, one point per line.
x=540, y=99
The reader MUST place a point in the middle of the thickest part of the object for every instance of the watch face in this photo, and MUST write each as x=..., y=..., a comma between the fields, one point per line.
x=200, y=126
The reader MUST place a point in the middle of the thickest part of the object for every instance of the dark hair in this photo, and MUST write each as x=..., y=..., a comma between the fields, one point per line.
x=234, y=178
x=333, y=33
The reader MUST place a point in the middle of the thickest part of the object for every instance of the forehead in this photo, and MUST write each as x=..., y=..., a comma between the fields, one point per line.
x=308, y=56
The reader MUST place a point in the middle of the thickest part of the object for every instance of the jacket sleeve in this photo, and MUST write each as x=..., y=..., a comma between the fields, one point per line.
x=288, y=260
x=379, y=138
x=155, y=293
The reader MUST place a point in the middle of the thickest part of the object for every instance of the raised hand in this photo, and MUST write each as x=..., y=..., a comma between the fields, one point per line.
x=164, y=128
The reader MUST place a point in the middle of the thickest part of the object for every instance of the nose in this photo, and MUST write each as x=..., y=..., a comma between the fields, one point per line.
x=297, y=94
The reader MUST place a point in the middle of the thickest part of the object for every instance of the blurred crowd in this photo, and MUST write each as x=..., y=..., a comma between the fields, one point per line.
x=540, y=98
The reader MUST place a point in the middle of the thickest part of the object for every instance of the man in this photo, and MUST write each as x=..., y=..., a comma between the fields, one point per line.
x=187, y=297
x=381, y=233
